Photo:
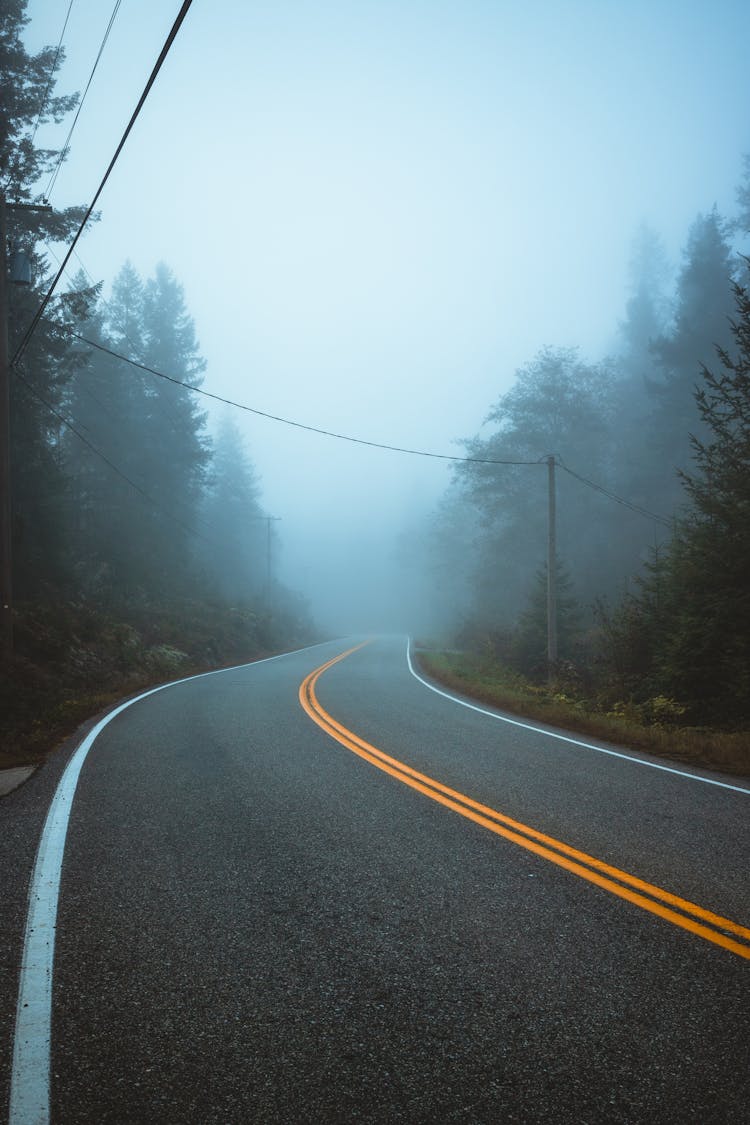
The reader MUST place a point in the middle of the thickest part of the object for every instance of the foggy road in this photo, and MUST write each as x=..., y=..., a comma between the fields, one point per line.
x=314, y=890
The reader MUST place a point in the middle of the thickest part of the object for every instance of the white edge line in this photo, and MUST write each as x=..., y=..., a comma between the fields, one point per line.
x=567, y=738
x=30, y=1073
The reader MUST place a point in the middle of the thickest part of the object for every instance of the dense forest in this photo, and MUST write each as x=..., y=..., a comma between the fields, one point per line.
x=140, y=543
x=140, y=546
x=652, y=453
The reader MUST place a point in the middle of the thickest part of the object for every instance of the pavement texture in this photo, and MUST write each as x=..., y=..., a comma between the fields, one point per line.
x=11, y=779
x=257, y=926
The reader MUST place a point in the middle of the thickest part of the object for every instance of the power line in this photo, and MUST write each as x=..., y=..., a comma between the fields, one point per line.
x=289, y=422
x=65, y=148
x=373, y=444
x=613, y=496
x=50, y=76
x=147, y=89
x=103, y=457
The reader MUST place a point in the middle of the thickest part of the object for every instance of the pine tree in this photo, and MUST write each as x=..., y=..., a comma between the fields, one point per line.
x=705, y=654
x=235, y=555
x=173, y=448
x=99, y=518
x=27, y=99
x=691, y=621
x=529, y=648
x=135, y=517
x=701, y=323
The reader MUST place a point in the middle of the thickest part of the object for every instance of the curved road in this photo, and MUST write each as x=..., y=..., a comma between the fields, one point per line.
x=289, y=898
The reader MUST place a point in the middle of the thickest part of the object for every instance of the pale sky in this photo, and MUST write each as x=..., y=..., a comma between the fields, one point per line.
x=379, y=210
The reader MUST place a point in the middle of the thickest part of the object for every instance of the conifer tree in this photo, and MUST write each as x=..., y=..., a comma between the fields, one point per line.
x=235, y=554
x=27, y=99
x=704, y=653
x=701, y=323
x=174, y=449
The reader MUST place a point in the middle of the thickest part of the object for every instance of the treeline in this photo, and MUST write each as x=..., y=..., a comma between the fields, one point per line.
x=138, y=503
x=127, y=514
x=654, y=592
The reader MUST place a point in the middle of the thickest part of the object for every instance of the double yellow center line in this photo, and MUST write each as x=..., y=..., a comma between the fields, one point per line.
x=687, y=915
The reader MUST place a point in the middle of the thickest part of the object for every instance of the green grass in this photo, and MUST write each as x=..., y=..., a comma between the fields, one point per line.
x=72, y=661
x=489, y=682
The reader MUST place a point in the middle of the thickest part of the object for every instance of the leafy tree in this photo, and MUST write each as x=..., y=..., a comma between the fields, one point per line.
x=558, y=405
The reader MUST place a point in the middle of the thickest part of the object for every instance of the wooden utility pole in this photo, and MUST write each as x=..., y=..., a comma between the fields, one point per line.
x=6, y=558
x=551, y=571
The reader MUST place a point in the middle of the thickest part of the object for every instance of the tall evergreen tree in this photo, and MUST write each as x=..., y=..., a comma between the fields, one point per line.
x=136, y=524
x=173, y=447
x=235, y=554
x=701, y=323
x=704, y=656
x=646, y=310
x=634, y=461
x=529, y=641
x=741, y=221
x=686, y=635
x=27, y=99
x=105, y=511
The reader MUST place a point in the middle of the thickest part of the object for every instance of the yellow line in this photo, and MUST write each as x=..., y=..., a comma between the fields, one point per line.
x=579, y=863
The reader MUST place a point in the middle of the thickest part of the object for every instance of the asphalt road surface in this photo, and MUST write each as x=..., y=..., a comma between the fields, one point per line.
x=262, y=919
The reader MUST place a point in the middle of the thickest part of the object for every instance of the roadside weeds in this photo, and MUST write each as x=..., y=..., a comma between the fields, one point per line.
x=725, y=751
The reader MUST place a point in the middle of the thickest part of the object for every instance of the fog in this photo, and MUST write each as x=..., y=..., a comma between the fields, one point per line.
x=379, y=211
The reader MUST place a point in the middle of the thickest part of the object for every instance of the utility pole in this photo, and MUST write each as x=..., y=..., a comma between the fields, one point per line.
x=6, y=558
x=551, y=571
x=6, y=543
x=269, y=520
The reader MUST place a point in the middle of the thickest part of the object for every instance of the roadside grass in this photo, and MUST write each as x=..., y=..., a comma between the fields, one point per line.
x=72, y=662
x=489, y=682
x=28, y=743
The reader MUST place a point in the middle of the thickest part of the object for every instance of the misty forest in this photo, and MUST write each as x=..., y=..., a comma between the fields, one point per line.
x=142, y=550
x=652, y=453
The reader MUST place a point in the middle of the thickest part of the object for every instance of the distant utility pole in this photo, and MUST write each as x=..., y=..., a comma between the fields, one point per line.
x=6, y=545
x=551, y=571
x=269, y=520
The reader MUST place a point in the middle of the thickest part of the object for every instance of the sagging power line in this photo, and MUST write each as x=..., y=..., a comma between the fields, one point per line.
x=71, y=425
x=289, y=421
x=66, y=146
x=89, y=211
x=52, y=69
x=373, y=444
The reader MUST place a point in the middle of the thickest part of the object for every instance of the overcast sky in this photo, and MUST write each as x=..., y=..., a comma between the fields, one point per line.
x=379, y=210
